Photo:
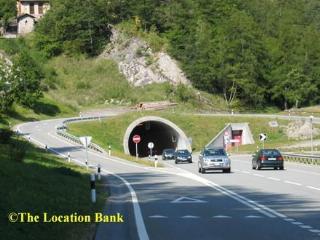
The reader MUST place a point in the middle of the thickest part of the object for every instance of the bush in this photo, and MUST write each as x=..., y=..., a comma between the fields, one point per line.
x=5, y=135
x=18, y=150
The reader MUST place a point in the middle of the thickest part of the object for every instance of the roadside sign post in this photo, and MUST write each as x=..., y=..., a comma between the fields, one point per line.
x=136, y=139
x=150, y=146
x=311, y=135
x=263, y=137
x=109, y=150
x=86, y=142
x=226, y=139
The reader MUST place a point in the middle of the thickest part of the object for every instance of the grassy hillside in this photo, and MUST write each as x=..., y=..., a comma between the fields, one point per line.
x=43, y=183
x=201, y=128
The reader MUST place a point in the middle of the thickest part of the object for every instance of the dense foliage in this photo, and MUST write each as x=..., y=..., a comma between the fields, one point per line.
x=20, y=81
x=7, y=11
x=262, y=52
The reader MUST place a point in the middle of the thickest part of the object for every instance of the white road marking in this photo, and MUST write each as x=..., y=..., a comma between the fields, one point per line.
x=289, y=219
x=141, y=228
x=190, y=216
x=187, y=200
x=245, y=172
x=314, y=188
x=314, y=230
x=221, y=216
x=258, y=175
x=297, y=223
x=305, y=227
x=157, y=216
x=274, y=179
x=293, y=183
x=253, y=216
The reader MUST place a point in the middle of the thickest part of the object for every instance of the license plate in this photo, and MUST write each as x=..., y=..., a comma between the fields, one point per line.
x=272, y=159
x=217, y=164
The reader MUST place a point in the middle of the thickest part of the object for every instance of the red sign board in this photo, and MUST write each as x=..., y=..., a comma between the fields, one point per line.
x=136, y=139
x=226, y=133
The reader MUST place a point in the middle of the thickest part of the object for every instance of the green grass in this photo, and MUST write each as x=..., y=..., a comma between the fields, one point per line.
x=201, y=128
x=44, y=183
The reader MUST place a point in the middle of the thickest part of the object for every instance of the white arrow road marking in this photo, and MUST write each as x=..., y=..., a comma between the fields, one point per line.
x=253, y=216
x=158, y=216
x=190, y=216
x=221, y=216
x=187, y=200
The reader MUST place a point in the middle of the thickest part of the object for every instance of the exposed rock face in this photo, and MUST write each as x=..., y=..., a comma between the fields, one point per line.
x=139, y=64
x=301, y=130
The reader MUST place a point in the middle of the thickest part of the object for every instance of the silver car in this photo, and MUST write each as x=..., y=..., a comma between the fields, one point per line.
x=214, y=159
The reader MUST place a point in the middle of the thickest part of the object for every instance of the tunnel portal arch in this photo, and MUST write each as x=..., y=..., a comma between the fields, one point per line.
x=162, y=132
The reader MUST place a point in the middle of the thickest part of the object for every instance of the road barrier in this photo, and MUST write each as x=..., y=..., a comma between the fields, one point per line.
x=301, y=158
x=61, y=131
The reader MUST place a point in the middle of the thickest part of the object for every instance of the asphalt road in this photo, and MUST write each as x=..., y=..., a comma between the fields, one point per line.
x=177, y=202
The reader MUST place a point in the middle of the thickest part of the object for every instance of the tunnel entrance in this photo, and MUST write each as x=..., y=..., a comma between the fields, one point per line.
x=163, y=133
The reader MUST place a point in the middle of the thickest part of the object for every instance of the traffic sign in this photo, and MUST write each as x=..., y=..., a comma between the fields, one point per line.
x=136, y=139
x=150, y=145
x=226, y=133
x=85, y=141
x=263, y=137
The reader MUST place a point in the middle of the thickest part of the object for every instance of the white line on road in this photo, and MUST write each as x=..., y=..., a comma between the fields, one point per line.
x=141, y=228
x=253, y=216
x=297, y=223
x=190, y=216
x=305, y=227
x=314, y=230
x=245, y=172
x=274, y=179
x=293, y=183
x=258, y=175
x=314, y=188
x=157, y=216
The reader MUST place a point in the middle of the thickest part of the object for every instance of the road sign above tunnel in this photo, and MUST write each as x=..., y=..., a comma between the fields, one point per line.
x=136, y=139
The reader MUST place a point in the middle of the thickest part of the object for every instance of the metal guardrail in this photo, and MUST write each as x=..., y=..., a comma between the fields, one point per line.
x=307, y=159
x=61, y=131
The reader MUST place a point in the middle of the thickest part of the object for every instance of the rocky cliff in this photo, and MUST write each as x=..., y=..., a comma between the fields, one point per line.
x=139, y=64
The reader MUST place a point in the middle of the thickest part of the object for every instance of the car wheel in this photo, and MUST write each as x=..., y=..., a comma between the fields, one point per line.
x=190, y=161
x=253, y=167
x=226, y=170
x=281, y=168
x=203, y=170
x=258, y=167
x=199, y=169
x=275, y=168
x=176, y=162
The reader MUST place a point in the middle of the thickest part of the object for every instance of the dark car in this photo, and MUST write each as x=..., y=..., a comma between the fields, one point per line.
x=168, y=154
x=183, y=156
x=214, y=159
x=270, y=158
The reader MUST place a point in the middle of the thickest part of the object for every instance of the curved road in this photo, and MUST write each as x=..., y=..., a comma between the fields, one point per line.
x=177, y=202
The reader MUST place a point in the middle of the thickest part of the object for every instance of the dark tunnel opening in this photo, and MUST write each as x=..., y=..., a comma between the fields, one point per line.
x=162, y=135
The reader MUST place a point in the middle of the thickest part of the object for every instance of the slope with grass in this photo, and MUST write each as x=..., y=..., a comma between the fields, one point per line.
x=43, y=183
x=200, y=128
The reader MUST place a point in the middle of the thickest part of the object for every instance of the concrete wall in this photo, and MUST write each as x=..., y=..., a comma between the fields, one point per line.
x=24, y=8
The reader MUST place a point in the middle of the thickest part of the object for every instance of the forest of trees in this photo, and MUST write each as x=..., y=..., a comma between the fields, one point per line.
x=262, y=52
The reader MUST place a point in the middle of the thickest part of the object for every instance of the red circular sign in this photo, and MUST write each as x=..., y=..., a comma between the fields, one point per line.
x=136, y=139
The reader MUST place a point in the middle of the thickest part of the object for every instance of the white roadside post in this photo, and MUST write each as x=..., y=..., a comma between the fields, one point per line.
x=311, y=135
x=109, y=150
x=86, y=142
x=69, y=158
x=93, y=188
x=155, y=161
x=99, y=172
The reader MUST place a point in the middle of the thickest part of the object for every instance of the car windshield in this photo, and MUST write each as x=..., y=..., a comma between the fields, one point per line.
x=214, y=152
x=169, y=151
x=182, y=152
x=270, y=152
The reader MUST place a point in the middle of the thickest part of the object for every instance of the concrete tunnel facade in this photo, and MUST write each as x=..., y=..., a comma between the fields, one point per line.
x=162, y=132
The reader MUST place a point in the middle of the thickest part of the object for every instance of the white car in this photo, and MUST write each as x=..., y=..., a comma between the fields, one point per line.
x=214, y=159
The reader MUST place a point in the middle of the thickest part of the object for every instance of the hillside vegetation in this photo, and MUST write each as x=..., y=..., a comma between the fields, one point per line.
x=261, y=52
